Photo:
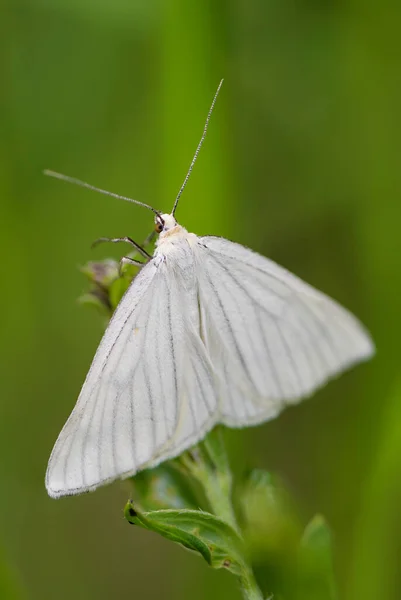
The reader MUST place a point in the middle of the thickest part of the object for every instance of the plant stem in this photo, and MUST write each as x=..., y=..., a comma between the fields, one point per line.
x=208, y=464
x=218, y=487
x=249, y=587
x=218, y=493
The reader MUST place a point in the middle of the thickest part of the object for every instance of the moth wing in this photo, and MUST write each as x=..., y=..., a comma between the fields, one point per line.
x=147, y=395
x=272, y=338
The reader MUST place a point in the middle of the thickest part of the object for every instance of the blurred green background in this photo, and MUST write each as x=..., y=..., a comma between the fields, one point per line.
x=302, y=163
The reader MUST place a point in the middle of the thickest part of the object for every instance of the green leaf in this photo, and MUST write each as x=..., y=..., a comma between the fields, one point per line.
x=211, y=537
x=117, y=290
x=96, y=299
x=162, y=487
x=108, y=285
x=270, y=523
x=316, y=576
x=272, y=532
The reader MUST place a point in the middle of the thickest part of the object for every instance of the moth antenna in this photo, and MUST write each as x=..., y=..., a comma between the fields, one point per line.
x=191, y=166
x=96, y=189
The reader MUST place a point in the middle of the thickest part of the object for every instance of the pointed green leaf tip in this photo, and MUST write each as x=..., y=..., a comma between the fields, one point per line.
x=316, y=562
x=211, y=537
x=269, y=521
x=317, y=536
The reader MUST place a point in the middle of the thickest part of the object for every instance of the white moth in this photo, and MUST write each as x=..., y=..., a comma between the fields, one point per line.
x=208, y=332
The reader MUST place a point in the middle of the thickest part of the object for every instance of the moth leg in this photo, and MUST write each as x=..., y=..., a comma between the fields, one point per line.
x=128, y=240
x=126, y=260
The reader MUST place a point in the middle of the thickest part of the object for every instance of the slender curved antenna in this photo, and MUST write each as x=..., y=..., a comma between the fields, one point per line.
x=95, y=189
x=191, y=166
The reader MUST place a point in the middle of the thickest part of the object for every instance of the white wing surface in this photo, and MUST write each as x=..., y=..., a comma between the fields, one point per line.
x=150, y=391
x=271, y=338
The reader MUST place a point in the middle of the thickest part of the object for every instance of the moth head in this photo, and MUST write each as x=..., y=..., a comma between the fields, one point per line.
x=164, y=223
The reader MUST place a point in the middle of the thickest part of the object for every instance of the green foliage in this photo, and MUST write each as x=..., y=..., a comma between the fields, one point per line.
x=316, y=576
x=269, y=519
x=293, y=565
x=108, y=284
x=215, y=537
x=200, y=476
x=162, y=487
x=202, y=532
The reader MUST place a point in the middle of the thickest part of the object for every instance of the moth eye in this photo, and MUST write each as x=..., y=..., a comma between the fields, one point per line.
x=159, y=227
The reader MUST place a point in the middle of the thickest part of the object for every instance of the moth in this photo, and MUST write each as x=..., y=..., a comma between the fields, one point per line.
x=208, y=332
